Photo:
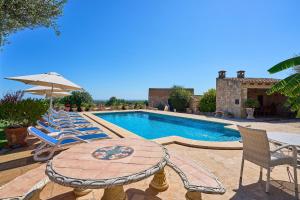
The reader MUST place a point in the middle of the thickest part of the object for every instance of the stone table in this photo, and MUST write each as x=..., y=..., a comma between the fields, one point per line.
x=109, y=164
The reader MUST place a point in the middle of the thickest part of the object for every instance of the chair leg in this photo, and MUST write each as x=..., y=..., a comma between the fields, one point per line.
x=242, y=169
x=296, y=182
x=295, y=155
x=268, y=180
x=260, y=174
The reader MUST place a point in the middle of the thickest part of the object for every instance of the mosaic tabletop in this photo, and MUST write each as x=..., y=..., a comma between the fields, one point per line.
x=108, y=162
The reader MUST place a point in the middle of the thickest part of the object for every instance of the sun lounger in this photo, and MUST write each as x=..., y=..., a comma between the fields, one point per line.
x=73, y=119
x=66, y=124
x=51, y=129
x=26, y=186
x=50, y=144
x=64, y=113
x=196, y=178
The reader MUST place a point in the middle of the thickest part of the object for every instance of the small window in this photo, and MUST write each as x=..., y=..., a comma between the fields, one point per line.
x=237, y=101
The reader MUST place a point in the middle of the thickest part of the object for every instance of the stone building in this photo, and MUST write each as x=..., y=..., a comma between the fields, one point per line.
x=233, y=92
x=157, y=96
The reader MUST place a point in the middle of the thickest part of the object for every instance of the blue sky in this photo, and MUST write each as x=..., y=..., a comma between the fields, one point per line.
x=121, y=48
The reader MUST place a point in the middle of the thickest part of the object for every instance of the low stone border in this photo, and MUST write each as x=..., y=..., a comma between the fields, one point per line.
x=200, y=144
x=123, y=133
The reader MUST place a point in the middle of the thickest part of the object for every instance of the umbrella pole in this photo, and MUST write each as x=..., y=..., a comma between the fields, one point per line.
x=50, y=108
x=51, y=97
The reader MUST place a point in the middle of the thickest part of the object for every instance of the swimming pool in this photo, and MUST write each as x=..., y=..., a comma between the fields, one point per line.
x=153, y=126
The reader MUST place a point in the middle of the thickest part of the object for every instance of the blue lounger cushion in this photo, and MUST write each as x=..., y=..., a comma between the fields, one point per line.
x=72, y=119
x=50, y=140
x=86, y=137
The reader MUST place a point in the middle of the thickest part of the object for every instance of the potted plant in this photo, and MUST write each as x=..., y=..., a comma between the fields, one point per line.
x=250, y=105
x=17, y=116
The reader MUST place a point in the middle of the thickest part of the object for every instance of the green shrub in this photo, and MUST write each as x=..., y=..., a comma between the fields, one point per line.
x=115, y=102
x=77, y=98
x=251, y=103
x=208, y=101
x=87, y=106
x=179, y=98
x=293, y=104
x=12, y=97
x=22, y=113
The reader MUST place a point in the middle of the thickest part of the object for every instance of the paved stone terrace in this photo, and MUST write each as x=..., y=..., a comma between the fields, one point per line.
x=225, y=164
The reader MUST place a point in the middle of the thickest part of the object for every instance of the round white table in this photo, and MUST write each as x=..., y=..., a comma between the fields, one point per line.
x=285, y=138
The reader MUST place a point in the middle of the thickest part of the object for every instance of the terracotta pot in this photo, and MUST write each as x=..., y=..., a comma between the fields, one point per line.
x=16, y=136
x=250, y=113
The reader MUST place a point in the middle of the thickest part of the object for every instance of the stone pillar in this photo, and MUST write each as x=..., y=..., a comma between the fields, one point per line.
x=194, y=104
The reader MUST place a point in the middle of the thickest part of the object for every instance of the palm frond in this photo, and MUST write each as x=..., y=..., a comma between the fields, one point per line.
x=295, y=92
x=285, y=85
x=295, y=61
x=292, y=84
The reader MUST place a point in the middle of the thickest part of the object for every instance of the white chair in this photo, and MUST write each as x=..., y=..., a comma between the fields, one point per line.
x=256, y=149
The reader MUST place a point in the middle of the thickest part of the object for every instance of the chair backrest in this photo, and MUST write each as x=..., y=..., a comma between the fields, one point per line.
x=50, y=121
x=46, y=126
x=256, y=146
x=41, y=135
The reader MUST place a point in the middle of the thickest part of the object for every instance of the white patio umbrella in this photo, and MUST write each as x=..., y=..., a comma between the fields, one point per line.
x=59, y=94
x=46, y=91
x=54, y=94
x=43, y=90
x=50, y=79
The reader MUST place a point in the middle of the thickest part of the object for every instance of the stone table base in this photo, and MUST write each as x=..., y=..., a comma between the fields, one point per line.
x=159, y=181
x=81, y=192
x=193, y=196
x=114, y=193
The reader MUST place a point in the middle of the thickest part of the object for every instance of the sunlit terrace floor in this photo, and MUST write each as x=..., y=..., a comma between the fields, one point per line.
x=225, y=164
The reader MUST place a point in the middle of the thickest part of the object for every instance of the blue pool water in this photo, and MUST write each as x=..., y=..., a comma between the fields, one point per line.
x=152, y=126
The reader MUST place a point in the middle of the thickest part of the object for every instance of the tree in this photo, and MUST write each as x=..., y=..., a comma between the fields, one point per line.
x=114, y=101
x=78, y=98
x=180, y=98
x=208, y=101
x=289, y=86
x=17, y=15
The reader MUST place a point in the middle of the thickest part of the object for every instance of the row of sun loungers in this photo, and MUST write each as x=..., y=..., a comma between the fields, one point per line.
x=62, y=130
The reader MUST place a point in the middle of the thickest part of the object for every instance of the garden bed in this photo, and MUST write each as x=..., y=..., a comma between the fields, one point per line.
x=3, y=140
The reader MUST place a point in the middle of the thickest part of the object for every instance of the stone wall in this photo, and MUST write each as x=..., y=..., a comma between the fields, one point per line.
x=232, y=93
x=229, y=96
x=194, y=103
x=158, y=96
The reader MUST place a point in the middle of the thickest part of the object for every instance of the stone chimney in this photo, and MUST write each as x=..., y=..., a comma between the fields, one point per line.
x=222, y=74
x=240, y=74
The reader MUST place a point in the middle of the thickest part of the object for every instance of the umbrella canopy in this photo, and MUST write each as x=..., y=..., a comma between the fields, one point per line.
x=43, y=90
x=47, y=91
x=53, y=94
x=50, y=79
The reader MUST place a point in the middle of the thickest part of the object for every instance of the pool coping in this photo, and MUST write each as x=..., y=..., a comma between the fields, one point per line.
x=123, y=133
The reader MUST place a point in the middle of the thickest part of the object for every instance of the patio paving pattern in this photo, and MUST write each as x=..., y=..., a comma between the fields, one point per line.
x=225, y=164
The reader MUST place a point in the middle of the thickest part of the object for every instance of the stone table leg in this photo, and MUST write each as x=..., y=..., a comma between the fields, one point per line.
x=81, y=192
x=193, y=196
x=114, y=193
x=159, y=181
